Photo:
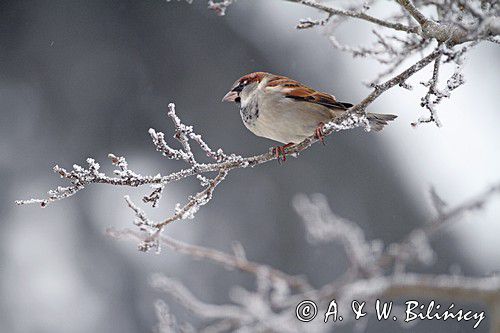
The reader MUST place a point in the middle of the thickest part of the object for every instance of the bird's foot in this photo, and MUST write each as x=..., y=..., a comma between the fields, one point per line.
x=318, y=134
x=279, y=152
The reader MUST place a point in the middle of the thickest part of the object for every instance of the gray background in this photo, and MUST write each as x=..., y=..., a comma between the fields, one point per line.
x=85, y=78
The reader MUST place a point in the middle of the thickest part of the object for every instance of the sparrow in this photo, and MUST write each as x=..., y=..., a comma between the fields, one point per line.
x=284, y=110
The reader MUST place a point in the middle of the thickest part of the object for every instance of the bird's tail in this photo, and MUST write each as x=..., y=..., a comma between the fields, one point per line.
x=378, y=121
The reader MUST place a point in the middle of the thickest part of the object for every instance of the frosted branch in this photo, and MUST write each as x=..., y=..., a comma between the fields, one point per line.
x=459, y=26
x=228, y=261
x=358, y=15
x=222, y=164
x=219, y=7
x=271, y=306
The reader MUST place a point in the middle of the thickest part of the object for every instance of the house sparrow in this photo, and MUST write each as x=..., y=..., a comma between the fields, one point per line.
x=284, y=110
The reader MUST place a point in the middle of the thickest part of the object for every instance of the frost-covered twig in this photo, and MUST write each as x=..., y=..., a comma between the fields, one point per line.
x=416, y=246
x=323, y=225
x=459, y=26
x=443, y=31
x=223, y=163
x=426, y=100
x=187, y=299
x=181, y=212
x=80, y=177
x=399, y=79
x=166, y=321
x=476, y=203
x=229, y=261
x=271, y=307
x=358, y=15
x=219, y=7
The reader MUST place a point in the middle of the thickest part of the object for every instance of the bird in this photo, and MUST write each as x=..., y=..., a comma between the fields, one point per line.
x=284, y=110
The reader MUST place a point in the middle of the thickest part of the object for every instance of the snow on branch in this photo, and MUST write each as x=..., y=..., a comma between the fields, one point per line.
x=237, y=260
x=222, y=163
x=376, y=271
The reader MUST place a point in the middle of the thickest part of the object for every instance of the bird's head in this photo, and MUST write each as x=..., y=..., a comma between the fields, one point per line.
x=244, y=87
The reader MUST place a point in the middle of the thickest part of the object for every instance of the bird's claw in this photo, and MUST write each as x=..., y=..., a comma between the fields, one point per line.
x=280, y=153
x=318, y=134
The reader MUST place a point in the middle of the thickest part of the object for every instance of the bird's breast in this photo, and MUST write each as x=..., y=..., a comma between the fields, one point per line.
x=250, y=113
x=282, y=119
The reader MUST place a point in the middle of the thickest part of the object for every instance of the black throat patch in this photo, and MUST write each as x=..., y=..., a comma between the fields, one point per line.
x=250, y=113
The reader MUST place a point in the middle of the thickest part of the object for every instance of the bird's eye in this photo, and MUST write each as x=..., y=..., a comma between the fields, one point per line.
x=240, y=86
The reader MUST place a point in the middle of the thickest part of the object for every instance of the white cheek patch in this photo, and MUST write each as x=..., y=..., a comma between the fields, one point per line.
x=243, y=101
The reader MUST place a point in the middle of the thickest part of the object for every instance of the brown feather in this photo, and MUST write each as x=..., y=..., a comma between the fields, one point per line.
x=307, y=94
x=301, y=92
x=253, y=77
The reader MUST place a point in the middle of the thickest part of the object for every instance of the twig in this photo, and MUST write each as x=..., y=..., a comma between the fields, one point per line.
x=224, y=259
x=358, y=15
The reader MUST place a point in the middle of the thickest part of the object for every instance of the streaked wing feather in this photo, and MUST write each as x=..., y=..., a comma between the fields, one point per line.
x=297, y=91
x=309, y=95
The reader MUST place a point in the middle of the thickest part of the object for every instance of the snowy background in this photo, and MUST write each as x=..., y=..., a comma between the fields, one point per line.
x=80, y=79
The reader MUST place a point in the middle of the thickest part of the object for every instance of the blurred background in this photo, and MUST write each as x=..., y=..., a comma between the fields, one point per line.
x=82, y=79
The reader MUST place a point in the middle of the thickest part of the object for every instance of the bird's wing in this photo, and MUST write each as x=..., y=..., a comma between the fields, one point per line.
x=295, y=90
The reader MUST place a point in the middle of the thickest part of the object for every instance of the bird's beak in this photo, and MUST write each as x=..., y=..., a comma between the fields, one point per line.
x=230, y=96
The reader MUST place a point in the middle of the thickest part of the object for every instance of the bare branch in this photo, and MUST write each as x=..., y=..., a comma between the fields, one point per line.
x=358, y=15
x=426, y=100
x=398, y=79
x=414, y=12
x=323, y=225
x=228, y=261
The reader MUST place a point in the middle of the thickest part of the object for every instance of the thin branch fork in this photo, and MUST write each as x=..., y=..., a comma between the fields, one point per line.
x=398, y=79
x=426, y=100
x=198, y=200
